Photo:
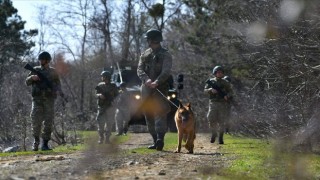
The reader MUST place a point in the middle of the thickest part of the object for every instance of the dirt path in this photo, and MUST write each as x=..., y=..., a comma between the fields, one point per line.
x=110, y=162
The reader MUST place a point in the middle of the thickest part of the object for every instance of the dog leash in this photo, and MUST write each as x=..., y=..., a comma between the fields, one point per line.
x=167, y=98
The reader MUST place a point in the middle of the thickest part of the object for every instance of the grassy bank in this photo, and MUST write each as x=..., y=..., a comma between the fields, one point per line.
x=261, y=159
x=84, y=138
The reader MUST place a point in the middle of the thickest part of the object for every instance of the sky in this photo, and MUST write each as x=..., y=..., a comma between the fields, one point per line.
x=28, y=11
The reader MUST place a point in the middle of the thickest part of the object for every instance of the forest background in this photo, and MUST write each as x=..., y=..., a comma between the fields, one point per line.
x=270, y=49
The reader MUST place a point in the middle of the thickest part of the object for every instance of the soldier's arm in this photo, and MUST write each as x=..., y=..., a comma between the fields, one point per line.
x=99, y=95
x=98, y=92
x=140, y=70
x=208, y=89
x=29, y=79
x=166, y=69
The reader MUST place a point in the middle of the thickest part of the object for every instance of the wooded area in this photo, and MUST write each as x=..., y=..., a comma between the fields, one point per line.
x=270, y=49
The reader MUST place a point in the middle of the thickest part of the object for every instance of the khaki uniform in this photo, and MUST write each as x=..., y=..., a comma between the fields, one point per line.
x=104, y=120
x=218, y=113
x=155, y=65
x=42, y=111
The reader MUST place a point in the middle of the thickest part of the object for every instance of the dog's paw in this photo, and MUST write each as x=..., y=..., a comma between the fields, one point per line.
x=177, y=151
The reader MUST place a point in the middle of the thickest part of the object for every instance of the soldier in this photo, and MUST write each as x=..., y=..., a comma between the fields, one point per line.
x=219, y=91
x=154, y=69
x=105, y=93
x=43, y=97
x=122, y=114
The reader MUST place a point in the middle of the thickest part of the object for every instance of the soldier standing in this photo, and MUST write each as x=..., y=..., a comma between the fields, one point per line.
x=43, y=97
x=105, y=93
x=122, y=114
x=154, y=69
x=219, y=91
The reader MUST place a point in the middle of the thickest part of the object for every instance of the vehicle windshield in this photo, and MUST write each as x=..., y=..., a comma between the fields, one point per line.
x=130, y=77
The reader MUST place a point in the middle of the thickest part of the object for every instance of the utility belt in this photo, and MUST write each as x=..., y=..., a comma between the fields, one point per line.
x=104, y=102
x=36, y=92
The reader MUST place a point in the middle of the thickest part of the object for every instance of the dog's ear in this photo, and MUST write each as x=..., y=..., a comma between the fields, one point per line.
x=188, y=105
x=180, y=105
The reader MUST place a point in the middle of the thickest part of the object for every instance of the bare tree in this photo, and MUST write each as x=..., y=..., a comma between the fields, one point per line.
x=127, y=31
x=75, y=14
x=101, y=21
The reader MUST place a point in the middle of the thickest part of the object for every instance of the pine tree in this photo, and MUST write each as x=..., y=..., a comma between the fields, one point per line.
x=14, y=40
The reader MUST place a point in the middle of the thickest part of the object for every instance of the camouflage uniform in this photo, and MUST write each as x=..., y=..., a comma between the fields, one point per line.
x=218, y=107
x=155, y=65
x=43, y=102
x=122, y=115
x=110, y=91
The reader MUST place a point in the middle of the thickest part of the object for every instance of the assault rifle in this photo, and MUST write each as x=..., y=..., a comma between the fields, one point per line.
x=107, y=96
x=216, y=87
x=46, y=81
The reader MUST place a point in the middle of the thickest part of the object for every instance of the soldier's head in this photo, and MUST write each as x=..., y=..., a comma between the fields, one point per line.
x=218, y=72
x=44, y=58
x=105, y=76
x=154, y=37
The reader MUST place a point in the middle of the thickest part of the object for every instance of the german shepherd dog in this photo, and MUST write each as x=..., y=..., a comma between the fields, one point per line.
x=186, y=126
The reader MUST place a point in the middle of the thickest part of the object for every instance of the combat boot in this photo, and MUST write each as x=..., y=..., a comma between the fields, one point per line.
x=153, y=146
x=213, y=137
x=159, y=145
x=44, y=146
x=221, y=138
x=36, y=143
x=107, y=140
x=119, y=134
x=125, y=131
x=160, y=142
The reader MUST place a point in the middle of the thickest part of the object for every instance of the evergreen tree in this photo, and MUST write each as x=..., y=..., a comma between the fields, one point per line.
x=14, y=40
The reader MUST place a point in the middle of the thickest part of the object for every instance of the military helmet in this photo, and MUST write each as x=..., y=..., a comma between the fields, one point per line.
x=154, y=35
x=106, y=74
x=216, y=69
x=44, y=56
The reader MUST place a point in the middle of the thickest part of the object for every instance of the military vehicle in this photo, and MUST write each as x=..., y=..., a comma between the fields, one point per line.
x=127, y=72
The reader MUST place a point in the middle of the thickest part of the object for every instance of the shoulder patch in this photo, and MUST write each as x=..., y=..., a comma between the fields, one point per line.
x=101, y=84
